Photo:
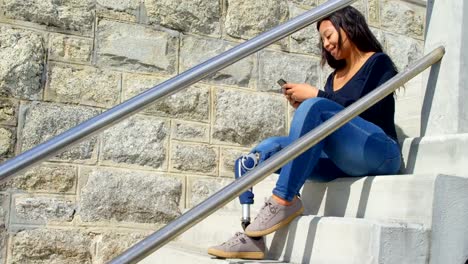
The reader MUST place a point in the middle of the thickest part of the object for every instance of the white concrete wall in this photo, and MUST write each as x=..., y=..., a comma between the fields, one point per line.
x=445, y=110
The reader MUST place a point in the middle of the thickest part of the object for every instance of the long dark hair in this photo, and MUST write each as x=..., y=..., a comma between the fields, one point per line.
x=354, y=25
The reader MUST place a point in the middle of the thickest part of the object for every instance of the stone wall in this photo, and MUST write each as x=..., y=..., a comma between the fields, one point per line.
x=63, y=62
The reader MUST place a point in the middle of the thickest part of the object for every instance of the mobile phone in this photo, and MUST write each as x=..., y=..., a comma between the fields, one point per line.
x=281, y=82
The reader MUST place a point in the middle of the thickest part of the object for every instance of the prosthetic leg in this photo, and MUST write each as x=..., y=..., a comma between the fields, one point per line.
x=242, y=165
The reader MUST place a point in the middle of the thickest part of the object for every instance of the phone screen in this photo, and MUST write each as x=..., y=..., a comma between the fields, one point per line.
x=281, y=82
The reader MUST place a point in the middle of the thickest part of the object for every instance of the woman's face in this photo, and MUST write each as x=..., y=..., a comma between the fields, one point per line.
x=330, y=37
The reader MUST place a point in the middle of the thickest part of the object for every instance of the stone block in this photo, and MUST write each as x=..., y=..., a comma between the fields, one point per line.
x=52, y=246
x=197, y=16
x=380, y=36
x=403, y=50
x=113, y=244
x=292, y=68
x=50, y=178
x=227, y=158
x=190, y=131
x=374, y=12
x=7, y=142
x=84, y=85
x=129, y=196
x=126, y=10
x=195, y=50
x=4, y=216
x=247, y=19
x=22, y=63
x=74, y=15
x=246, y=118
x=310, y=3
x=403, y=18
x=194, y=158
x=136, y=47
x=42, y=121
x=361, y=6
x=4, y=210
x=201, y=188
x=192, y=103
x=3, y=243
x=306, y=40
x=8, y=109
x=139, y=140
x=42, y=209
x=70, y=48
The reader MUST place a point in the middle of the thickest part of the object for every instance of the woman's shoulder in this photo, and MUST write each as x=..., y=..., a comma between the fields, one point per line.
x=380, y=61
x=381, y=57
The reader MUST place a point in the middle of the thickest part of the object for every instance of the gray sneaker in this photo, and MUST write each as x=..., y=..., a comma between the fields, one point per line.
x=273, y=216
x=240, y=246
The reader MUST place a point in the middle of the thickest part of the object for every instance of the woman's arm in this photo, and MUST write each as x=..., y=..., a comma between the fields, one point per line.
x=342, y=100
x=296, y=93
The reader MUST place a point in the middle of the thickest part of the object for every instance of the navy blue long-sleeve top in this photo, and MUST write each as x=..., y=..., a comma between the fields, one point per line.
x=376, y=70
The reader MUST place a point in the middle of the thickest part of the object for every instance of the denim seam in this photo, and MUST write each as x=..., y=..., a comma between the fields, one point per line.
x=281, y=195
x=386, y=161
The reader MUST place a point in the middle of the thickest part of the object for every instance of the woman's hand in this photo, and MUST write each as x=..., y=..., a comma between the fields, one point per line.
x=296, y=93
x=293, y=103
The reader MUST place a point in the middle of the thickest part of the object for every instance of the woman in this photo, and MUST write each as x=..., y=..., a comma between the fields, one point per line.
x=367, y=145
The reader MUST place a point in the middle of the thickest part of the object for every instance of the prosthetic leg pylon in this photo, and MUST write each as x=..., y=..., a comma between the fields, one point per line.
x=242, y=165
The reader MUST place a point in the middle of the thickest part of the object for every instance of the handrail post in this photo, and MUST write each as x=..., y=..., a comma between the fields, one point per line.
x=225, y=195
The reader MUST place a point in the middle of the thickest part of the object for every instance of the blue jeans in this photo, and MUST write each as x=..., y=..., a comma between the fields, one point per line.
x=358, y=148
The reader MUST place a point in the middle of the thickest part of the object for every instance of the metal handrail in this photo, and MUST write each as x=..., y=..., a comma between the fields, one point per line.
x=173, y=85
x=233, y=190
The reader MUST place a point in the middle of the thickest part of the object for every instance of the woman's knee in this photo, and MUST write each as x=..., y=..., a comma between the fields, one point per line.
x=270, y=146
x=314, y=108
x=311, y=113
x=317, y=103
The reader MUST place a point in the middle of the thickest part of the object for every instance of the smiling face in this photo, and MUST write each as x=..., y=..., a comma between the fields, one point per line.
x=331, y=39
x=343, y=34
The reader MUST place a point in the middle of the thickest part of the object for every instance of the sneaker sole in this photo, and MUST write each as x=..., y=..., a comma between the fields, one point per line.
x=272, y=229
x=236, y=255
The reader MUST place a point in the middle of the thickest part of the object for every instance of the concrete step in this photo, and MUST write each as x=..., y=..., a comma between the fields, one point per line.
x=177, y=253
x=325, y=240
x=400, y=198
x=213, y=230
x=406, y=198
x=435, y=202
x=438, y=202
x=314, y=239
x=182, y=253
x=445, y=154
x=396, y=198
x=262, y=192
